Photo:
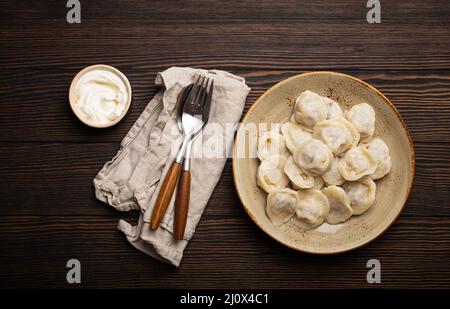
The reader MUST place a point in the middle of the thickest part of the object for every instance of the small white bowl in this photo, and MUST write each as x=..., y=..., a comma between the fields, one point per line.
x=72, y=94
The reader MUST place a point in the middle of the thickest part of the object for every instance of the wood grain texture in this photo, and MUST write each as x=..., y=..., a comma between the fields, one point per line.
x=182, y=204
x=423, y=98
x=269, y=35
x=48, y=211
x=242, y=256
x=165, y=194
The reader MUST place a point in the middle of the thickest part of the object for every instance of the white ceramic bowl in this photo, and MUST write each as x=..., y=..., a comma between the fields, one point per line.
x=72, y=95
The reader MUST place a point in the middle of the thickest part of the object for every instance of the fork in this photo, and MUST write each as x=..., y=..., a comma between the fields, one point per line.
x=194, y=117
x=184, y=185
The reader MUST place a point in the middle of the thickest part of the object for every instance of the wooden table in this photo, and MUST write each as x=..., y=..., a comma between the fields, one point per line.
x=48, y=212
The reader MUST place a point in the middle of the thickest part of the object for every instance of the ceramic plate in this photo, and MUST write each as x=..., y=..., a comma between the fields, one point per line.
x=276, y=105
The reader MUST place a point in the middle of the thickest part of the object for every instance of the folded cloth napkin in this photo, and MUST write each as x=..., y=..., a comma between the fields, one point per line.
x=131, y=180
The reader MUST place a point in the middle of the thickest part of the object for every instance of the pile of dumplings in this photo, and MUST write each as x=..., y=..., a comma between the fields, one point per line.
x=320, y=166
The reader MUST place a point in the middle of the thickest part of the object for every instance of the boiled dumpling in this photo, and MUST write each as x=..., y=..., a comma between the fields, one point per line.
x=361, y=194
x=313, y=156
x=281, y=206
x=362, y=116
x=294, y=135
x=318, y=183
x=340, y=209
x=312, y=208
x=332, y=176
x=270, y=143
x=356, y=163
x=380, y=152
x=334, y=134
x=351, y=128
x=271, y=175
x=309, y=109
x=293, y=121
x=333, y=108
x=299, y=178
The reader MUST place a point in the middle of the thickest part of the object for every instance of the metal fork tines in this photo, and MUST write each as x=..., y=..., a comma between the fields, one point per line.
x=196, y=103
x=195, y=112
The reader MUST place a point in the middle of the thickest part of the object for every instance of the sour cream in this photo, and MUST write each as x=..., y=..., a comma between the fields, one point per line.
x=101, y=96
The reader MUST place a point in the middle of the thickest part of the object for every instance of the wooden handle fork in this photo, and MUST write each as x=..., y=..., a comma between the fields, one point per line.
x=165, y=195
x=182, y=204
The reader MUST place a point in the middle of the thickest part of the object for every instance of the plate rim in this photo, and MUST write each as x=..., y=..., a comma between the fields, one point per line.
x=386, y=100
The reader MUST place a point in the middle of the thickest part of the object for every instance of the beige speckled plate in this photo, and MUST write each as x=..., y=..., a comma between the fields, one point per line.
x=275, y=105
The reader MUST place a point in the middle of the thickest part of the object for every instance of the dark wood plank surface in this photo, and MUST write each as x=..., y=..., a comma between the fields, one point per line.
x=48, y=211
x=414, y=93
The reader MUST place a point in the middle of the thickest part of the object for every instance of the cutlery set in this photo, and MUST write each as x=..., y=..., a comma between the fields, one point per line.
x=192, y=115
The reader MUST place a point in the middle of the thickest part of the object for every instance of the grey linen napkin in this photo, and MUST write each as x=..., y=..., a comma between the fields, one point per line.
x=131, y=180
